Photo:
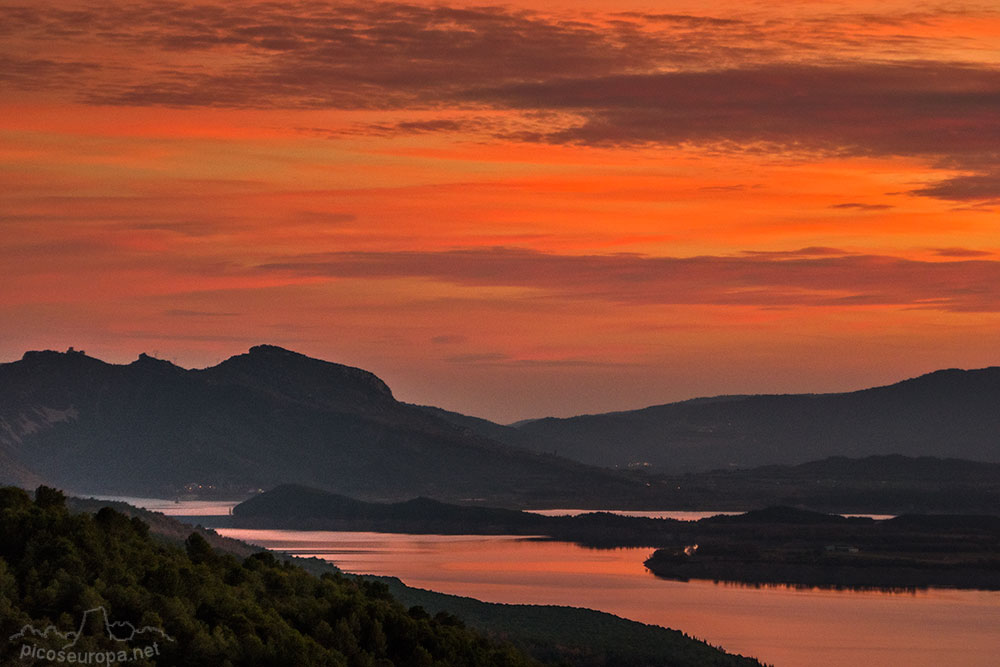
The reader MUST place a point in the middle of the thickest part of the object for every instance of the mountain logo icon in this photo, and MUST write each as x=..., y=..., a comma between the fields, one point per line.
x=94, y=620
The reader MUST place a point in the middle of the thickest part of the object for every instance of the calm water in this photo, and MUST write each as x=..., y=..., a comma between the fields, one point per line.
x=223, y=507
x=680, y=515
x=780, y=625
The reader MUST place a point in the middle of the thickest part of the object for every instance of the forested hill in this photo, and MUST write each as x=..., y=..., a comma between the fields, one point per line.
x=201, y=608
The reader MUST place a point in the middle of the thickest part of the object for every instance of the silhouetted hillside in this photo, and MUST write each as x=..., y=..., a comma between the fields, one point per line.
x=484, y=427
x=890, y=484
x=256, y=420
x=196, y=606
x=950, y=413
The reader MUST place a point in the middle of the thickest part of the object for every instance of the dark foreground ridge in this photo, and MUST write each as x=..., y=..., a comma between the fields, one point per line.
x=220, y=609
x=773, y=545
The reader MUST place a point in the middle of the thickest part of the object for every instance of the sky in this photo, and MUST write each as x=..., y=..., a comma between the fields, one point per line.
x=509, y=210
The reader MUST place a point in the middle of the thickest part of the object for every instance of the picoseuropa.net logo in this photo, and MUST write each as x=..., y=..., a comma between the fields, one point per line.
x=52, y=645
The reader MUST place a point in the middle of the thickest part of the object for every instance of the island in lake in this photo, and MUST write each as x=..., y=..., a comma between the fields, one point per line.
x=774, y=545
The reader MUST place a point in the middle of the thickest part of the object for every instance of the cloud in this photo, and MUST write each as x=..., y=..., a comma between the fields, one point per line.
x=848, y=108
x=942, y=112
x=501, y=359
x=189, y=228
x=760, y=279
x=827, y=83
x=858, y=206
x=975, y=187
x=682, y=19
x=197, y=313
x=346, y=56
x=961, y=252
x=467, y=125
x=802, y=252
x=478, y=358
x=448, y=339
x=38, y=73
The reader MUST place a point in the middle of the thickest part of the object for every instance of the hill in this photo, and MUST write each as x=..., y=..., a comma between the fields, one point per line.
x=196, y=606
x=301, y=508
x=890, y=484
x=948, y=414
x=257, y=420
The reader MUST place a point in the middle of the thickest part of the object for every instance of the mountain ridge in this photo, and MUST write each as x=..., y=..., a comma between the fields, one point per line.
x=259, y=419
x=272, y=416
x=947, y=413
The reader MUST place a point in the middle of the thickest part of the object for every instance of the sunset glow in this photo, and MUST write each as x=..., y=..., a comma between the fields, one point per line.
x=510, y=211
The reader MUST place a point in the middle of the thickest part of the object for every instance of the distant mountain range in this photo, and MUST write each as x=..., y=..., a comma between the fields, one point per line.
x=949, y=414
x=273, y=416
x=256, y=420
x=888, y=485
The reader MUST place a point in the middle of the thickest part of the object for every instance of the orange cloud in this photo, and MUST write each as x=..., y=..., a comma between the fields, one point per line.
x=589, y=199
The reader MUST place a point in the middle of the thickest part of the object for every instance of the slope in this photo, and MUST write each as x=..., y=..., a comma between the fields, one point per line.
x=949, y=413
x=254, y=421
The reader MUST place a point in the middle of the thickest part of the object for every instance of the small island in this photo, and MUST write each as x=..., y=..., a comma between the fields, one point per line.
x=782, y=545
x=776, y=545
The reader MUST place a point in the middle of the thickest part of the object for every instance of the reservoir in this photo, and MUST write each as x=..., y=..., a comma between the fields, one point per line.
x=784, y=626
x=780, y=625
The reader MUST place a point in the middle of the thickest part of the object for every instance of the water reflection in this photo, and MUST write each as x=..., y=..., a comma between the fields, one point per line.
x=783, y=625
x=192, y=508
x=679, y=515
x=759, y=585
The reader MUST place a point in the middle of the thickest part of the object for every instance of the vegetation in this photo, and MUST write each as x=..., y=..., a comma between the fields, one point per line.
x=582, y=637
x=220, y=610
x=789, y=546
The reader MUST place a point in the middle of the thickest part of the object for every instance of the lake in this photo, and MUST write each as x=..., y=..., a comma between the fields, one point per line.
x=779, y=625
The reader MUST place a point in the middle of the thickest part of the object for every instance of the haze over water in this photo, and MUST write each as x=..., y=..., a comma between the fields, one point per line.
x=779, y=625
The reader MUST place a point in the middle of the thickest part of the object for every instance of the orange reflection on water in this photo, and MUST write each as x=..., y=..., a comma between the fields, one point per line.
x=780, y=625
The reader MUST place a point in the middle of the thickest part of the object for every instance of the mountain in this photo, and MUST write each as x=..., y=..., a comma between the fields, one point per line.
x=889, y=484
x=498, y=432
x=257, y=420
x=949, y=413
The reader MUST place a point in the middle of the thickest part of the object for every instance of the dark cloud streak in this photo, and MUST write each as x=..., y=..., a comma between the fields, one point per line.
x=637, y=79
x=809, y=277
x=973, y=187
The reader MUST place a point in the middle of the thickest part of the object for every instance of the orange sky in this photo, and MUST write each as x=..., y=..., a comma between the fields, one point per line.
x=528, y=209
